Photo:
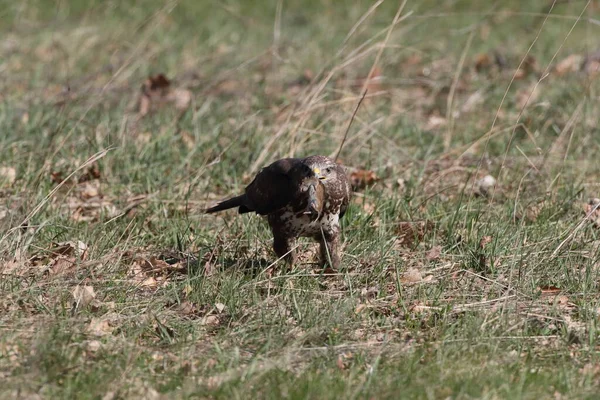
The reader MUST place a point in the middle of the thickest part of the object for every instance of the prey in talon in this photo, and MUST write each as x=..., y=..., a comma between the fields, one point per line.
x=316, y=196
x=300, y=197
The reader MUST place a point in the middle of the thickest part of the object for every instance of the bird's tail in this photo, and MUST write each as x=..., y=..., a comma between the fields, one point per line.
x=227, y=204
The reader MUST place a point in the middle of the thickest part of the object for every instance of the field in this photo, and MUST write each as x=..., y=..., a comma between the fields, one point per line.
x=471, y=250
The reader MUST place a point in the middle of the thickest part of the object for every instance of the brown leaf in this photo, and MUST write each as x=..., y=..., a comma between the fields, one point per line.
x=91, y=173
x=56, y=177
x=435, y=122
x=527, y=95
x=528, y=67
x=83, y=296
x=373, y=83
x=592, y=211
x=549, y=290
x=434, y=253
x=188, y=140
x=211, y=320
x=412, y=275
x=77, y=249
x=154, y=265
x=361, y=178
x=569, y=64
x=60, y=258
x=62, y=265
x=156, y=83
x=181, y=98
x=220, y=307
x=93, y=346
x=340, y=363
x=410, y=233
x=359, y=308
x=482, y=61
x=485, y=241
x=88, y=191
x=187, y=308
x=485, y=185
x=8, y=175
x=157, y=91
x=591, y=64
x=99, y=327
x=87, y=203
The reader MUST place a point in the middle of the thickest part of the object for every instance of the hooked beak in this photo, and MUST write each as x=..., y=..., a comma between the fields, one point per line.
x=317, y=172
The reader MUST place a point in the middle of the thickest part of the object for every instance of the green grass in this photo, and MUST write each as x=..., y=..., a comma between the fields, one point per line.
x=508, y=304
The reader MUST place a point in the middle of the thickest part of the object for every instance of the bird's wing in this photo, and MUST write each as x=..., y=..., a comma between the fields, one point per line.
x=272, y=188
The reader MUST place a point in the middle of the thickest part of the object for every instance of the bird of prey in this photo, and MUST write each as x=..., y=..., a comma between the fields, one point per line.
x=300, y=197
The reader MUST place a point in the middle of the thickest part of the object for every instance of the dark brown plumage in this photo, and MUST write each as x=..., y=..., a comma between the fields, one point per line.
x=301, y=197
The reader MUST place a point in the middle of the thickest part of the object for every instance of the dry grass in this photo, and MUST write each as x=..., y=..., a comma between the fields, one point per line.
x=454, y=285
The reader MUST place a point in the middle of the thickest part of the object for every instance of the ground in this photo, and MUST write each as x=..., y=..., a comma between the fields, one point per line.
x=470, y=263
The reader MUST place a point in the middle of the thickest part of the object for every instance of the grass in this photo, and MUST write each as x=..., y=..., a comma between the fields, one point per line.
x=445, y=290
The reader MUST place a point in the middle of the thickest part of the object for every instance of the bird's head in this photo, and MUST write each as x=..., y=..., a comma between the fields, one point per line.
x=324, y=168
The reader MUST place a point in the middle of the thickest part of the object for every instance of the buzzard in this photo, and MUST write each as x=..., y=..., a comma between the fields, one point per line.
x=300, y=197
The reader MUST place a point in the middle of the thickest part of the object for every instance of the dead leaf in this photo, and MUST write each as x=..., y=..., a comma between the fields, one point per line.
x=188, y=140
x=88, y=191
x=93, y=346
x=412, y=275
x=99, y=327
x=361, y=178
x=87, y=203
x=91, y=173
x=485, y=241
x=528, y=66
x=340, y=363
x=181, y=98
x=16, y=266
x=435, y=122
x=359, y=308
x=220, y=307
x=592, y=211
x=591, y=64
x=150, y=271
x=83, y=296
x=482, y=61
x=211, y=320
x=373, y=83
x=527, y=96
x=63, y=265
x=549, y=290
x=570, y=64
x=60, y=258
x=434, y=253
x=8, y=175
x=473, y=101
x=413, y=232
x=78, y=249
x=187, y=308
x=485, y=185
x=157, y=91
x=369, y=293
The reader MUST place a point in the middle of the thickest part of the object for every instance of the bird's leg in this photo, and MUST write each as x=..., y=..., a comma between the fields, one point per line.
x=329, y=246
x=284, y=247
